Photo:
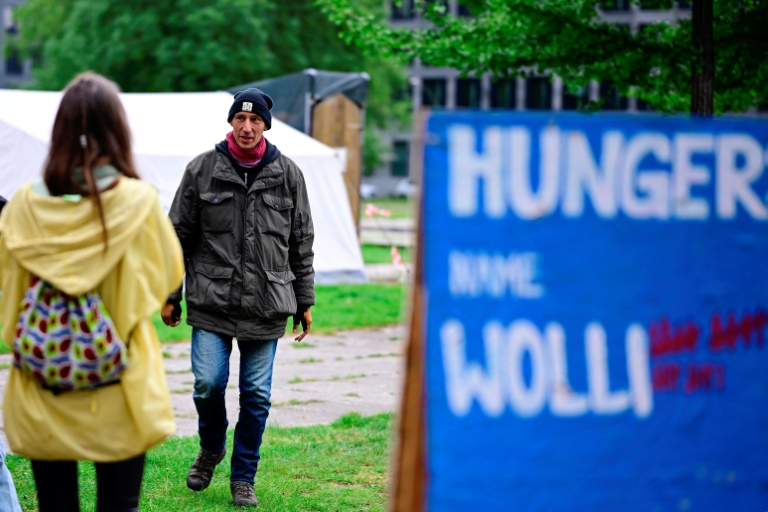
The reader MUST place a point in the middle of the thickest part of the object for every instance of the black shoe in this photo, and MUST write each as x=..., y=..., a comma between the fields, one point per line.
x=201, y=471
x=242, y=494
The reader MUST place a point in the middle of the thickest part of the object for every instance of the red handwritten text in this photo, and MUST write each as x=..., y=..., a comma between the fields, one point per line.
x=747, y=330
x=665, y=376
x=665, y=340
x=704, y=377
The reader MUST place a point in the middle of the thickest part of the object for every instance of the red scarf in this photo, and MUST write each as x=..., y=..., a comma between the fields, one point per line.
x=246, y=157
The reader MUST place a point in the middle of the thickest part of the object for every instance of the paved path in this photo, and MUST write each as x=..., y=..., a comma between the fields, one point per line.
x=314, y=382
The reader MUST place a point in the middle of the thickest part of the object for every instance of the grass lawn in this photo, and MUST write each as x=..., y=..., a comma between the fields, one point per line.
x=339, y=307
x=400, y=208
x=339, y=467
x=383, y=253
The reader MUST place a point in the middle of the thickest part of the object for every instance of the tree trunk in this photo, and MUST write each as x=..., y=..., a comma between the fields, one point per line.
x=703, y=65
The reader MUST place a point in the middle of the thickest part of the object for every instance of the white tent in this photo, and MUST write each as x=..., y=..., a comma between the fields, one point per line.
x=169, y=129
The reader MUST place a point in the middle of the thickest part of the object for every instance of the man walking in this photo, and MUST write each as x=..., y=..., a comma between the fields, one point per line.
x=242, y=215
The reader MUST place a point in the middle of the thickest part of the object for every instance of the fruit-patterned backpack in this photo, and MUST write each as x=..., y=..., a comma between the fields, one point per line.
x=67, y=342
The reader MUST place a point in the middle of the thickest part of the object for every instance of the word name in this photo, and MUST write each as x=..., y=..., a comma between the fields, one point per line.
x=494, y=275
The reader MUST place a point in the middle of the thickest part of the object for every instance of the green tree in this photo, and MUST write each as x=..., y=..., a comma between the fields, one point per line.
x=180, y=45
x=715, y=61
x=195, y=45
x=309, y=39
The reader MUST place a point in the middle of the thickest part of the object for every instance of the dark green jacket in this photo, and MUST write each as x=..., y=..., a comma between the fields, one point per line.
x=248, y=252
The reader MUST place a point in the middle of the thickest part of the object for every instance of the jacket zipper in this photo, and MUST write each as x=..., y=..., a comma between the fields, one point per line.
x=242, y=239
x=242, y=243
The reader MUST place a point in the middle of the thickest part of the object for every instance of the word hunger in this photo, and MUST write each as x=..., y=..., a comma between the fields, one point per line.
x=648, y=175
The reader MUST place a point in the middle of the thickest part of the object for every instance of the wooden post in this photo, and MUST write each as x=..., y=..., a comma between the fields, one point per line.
x=409, y=477
x=337, y=122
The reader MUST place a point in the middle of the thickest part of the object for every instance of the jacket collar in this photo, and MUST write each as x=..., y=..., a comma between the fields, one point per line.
x=270, y=154
x=267, y=175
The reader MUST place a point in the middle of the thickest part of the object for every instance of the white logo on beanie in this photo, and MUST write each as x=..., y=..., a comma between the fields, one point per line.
x=247, y=106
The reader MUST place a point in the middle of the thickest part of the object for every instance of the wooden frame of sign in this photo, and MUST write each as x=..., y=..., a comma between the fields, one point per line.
x=409, y=471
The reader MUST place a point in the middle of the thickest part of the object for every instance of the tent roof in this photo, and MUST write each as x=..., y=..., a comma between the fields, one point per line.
x=169, y=130
x=295, y=93
x=162, y=123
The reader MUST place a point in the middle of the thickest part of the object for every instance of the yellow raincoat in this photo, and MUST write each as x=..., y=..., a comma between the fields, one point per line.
x=61, y=241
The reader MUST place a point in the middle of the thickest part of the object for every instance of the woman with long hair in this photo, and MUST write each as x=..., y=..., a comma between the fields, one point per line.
x=90, y=226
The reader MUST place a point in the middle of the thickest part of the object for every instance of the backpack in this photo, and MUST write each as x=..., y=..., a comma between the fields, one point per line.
x=67, y=342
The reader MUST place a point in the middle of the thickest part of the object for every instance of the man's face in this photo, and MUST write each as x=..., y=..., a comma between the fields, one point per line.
x=248, y=128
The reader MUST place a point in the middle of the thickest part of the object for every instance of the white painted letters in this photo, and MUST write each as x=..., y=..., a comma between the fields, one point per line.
x=734, y=180
x=649, y=175
x=503, y=381
x=494, y=275
x=467, y=167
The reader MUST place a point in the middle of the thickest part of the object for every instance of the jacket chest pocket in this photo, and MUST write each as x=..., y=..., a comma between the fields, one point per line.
x=217, y=211
x=276, y=216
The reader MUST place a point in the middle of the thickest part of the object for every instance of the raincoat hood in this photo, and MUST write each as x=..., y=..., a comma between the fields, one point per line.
x=62, y=242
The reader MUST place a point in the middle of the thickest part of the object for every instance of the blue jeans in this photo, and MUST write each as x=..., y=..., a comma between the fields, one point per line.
x=9, y=502
x=210, y=365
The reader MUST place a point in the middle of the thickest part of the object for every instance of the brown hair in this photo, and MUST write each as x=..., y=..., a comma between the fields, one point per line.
x=90, y=126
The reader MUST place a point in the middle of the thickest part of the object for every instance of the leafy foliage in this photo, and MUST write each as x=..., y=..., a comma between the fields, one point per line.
x=190, y=45
x=182, y=45
x=568, y=37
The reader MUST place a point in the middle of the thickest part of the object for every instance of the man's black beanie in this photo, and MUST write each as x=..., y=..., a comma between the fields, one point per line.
x=252, y=100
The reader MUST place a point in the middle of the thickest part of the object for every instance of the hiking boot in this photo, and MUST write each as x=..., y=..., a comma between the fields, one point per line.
x=201, y=471
x=242, y=494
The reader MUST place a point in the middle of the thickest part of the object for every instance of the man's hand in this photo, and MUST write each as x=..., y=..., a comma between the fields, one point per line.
x=171, y=314
x=305, y=319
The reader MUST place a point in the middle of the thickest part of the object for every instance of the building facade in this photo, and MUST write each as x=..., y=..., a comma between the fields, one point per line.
x=445, y=88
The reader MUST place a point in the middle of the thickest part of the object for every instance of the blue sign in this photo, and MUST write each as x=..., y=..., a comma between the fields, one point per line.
x=596, y=313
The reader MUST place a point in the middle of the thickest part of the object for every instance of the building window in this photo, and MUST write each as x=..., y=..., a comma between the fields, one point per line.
x=13, y=64
x=404, y=93
x=644, y=106
x=468, y=92
x=614, y=5
x=611, y=99
x=429, y=3
x=575, y=99
x=643, y=27
x=433, y=92
x=538, y=93
x=504, y=93
x=405, y=11
x=463, y=10
x=399, y=166
x=655, y=5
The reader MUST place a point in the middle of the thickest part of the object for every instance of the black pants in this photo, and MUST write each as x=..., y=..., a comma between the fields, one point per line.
x=118, y=485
